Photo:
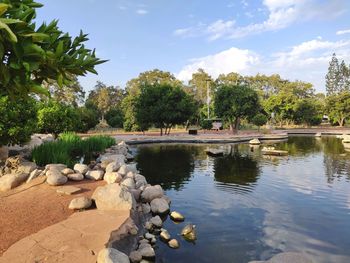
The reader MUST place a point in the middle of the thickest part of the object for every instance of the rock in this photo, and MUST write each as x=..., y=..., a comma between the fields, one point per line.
x=75, y=177
x=95, y=175
x=164, y=235
x=159, y=206
x=148, y=225
x=152, y=192
x=122, y=143
x=10, y=181
x=149, y=236
x=130, y=175
x=147, y=251
x=286, y=257
x=129, y=157
x=136, y=193
x=174, y=243
x=26, y=167
x=123, y=170
x=113, y=197
x=68, y=190
x=167, y=199
x=156, y=221
x=119, y=158
x=143, y=240
x=67, y=171
x=176, y=216
x=105, y=163
x=80, y=203
x=112, y=255
x=81, y=168
x=189, y=232
x=135, y=256
x=112, y=177
x=129, y=183
x=34, y=174
x=139, y=177
x=54, y=177
x=113, y=167
x=146, y=208
x=55, y=166
x=254, y=142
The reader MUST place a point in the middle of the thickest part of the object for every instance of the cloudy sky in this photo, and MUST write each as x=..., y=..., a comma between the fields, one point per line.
x=294, y=38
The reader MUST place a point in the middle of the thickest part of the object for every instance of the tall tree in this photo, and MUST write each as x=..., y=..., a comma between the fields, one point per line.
x=199, y=85
x=233, y=103
x=333, y=77
x=338, y=107
x=163, y=105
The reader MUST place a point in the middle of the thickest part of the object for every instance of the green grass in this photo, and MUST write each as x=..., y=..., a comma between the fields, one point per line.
x=69, y=148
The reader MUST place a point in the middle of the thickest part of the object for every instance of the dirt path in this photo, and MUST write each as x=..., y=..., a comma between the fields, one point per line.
x=31, y=207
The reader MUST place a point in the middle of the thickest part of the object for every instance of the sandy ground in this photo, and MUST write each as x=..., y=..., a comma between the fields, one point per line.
x=31, y=207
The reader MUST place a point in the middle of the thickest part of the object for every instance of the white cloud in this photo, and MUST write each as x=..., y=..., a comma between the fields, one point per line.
x=307, y=61
x=281, y=14
x=141, y=12
x=342, y=32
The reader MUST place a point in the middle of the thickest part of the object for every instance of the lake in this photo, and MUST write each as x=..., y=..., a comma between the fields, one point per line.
x=247, y=206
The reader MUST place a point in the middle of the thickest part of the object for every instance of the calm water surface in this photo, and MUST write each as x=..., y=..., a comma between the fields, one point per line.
x=250, y=207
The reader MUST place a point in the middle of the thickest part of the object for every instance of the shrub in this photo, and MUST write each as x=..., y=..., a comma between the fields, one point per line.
x=114, y=118
x=206, y=124
x=259, y=120
x=18, y=120
x=69, y=148
x=88, y=119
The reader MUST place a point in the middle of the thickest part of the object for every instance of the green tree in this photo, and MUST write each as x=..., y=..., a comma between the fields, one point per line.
x=229, y=79
x=338, y=107
x=259, y=120
x=18, y=120
x=104, y=98
x=307, y=111
x=133, y=89
x=30, y=54
x=199, y=85
x=115, y=118
x=88, y=119
x=163, y=105
x=56, y=118
x=333, y=76
x=233, y=103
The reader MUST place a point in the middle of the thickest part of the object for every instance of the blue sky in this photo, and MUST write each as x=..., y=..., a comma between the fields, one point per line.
x=294, y=38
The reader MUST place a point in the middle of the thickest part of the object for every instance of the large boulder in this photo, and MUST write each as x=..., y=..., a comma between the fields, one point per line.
x=26, y=167
x=81, y=168
x=82, y=202
x=10, y=181
x=113, y=167
x=152, y=192
x=120, y=158
x=112, y=178
x=113, y=197
x=112, y=255
x=95, y=175
x=159, y=206
x=55, y=177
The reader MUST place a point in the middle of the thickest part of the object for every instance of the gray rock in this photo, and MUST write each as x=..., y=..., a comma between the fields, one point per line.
x=81, y=168
x=112, y=177
x=67, y=171
x=34, y=174
x=152, y=192
x=113, y=167
x=119, y=158
x=130, y=175
x=129, y=183
x=135, y=256
x=113, y=197
x=147, y=252
x=136, y=193
x=146, y=208
x=75, y=176
x=174, y=243
x=82, y=202
x=54, y=177
x=55, y=166
x=149, y=236
x=159, y=206
x=95, y=175
x=112, y=255
x=148, y=225
x=156, y=221
x=10, y=181
x=287, y=257
x=26, y=167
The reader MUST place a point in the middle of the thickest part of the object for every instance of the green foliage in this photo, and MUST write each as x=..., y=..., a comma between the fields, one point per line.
x=235, y=102
x=163, y=105
x=18, y=120
x=307, y=112
x=199, y=85
x=115, y=118
x=338, y=107
x=206, y=124
x=259, y=119
x=57, y=118
x=69, y=148
x=338, y=77
x=88, y=119
x=30, y=54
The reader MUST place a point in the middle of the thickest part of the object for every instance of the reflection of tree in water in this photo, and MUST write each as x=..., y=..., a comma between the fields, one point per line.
x=336, y=161
x=167, y=165
x=236, y=168
x=301, y=145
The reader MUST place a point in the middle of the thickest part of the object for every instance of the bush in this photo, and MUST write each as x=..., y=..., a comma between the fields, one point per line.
x=114, y=118
x=69, y=148
x=206, y=124
x=259, y=119
x=18, y=120
x=88, y=119
x=56, y=118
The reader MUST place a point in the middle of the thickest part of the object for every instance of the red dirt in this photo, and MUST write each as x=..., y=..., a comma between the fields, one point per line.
x=31, y=207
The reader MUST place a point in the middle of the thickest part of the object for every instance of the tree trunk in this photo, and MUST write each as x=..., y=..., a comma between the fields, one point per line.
x=341, y=122
x=161, y=131
x=169, y=129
